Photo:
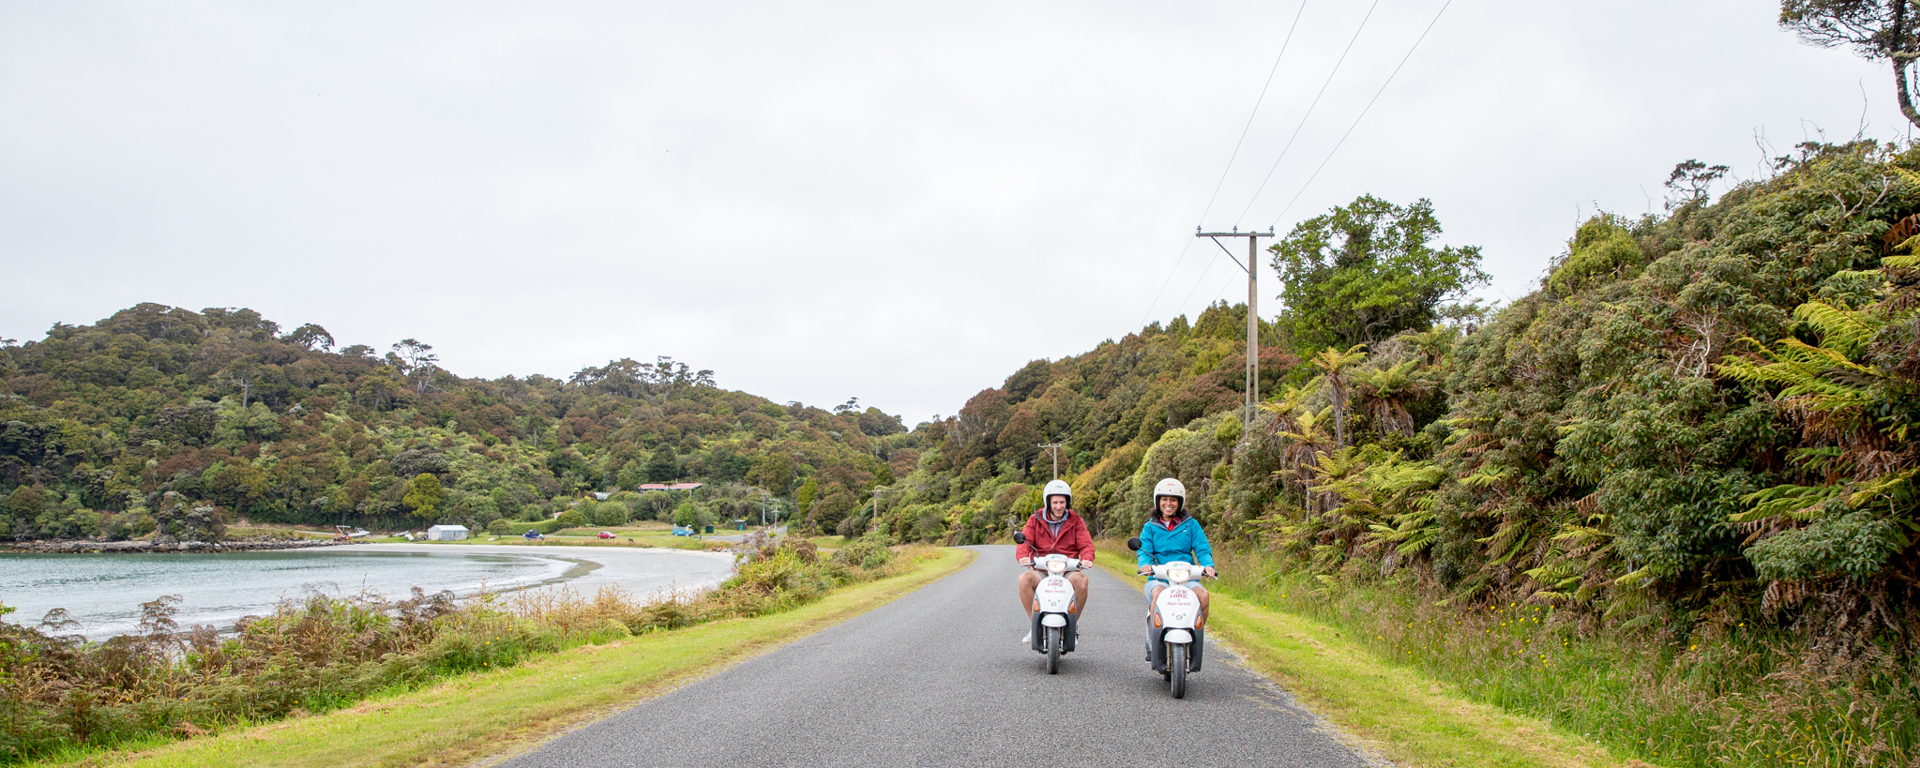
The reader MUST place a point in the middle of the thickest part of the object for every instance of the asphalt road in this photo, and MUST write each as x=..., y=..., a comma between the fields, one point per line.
x=940, y=678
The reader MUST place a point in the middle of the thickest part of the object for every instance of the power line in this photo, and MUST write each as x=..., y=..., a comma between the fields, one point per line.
x=1188, y=242
x=1164, y=283
x=1256, y=111
x=1182, y=308
x=1363, y=113
x=1309, y=112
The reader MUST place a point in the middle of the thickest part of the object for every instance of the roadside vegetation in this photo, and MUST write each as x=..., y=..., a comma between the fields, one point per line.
x=62, y=694
x=1666, y=500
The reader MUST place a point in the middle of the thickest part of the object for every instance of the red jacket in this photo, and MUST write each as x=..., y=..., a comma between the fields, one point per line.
x=1073, y=541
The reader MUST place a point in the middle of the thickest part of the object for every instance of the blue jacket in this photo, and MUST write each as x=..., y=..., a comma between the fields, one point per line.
x=1186, y=541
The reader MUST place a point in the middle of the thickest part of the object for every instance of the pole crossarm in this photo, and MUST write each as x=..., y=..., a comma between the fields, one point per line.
x=1253, y=304
x=1054, y=450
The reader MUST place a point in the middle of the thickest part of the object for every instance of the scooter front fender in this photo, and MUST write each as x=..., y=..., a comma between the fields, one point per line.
x=1069, y=637
x=1157, y=640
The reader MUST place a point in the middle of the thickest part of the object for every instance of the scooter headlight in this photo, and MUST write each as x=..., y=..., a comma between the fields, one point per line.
x=1179, y=575
x=1056, y=566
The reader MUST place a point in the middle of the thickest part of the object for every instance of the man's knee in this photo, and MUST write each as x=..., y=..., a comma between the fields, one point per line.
x=1078, y=580
x=1029, y=579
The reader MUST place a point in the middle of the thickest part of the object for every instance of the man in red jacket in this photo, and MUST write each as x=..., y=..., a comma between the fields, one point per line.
x=1054, y=529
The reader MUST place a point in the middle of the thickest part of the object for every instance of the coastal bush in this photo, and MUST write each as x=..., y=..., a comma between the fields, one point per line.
x=1730, y=692
x=609, y=514
x=317, y=653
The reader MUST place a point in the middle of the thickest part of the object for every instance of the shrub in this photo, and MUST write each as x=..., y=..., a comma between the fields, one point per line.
x=609, y=514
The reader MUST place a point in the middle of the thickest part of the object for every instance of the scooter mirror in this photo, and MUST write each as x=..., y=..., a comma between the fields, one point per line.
x=1134, y=543
x=1019, y=538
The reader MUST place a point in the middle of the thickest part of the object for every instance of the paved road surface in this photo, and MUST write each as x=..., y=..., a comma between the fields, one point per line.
x=939, y=678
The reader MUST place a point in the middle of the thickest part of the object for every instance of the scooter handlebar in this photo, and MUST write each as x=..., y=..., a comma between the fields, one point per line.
x=1073, y=564
x=1194, y=571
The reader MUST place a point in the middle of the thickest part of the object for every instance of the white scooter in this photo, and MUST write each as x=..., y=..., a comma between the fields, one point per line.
x=1176, y=629
x=1055, y=627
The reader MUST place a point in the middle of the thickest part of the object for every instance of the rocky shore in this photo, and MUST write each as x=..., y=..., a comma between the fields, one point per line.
x=71, y=546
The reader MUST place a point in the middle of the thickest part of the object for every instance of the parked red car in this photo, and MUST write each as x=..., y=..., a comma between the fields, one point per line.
x=606, y=534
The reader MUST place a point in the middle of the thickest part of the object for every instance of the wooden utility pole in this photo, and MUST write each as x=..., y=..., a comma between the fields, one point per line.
x=1054, y=449
x=1252, y=268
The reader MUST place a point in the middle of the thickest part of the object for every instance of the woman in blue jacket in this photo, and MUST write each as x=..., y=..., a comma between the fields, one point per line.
x=1171, y=534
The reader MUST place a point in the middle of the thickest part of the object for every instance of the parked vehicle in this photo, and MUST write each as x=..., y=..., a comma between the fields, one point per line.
x=1176, y=627
x=606, y=534
x=683, y=531
x=1056, y=627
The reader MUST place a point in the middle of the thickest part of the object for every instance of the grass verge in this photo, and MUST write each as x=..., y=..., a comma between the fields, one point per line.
x=1391, y=710
x=503, y=712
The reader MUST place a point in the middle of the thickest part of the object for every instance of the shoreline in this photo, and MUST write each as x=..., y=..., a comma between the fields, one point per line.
x=84, y=546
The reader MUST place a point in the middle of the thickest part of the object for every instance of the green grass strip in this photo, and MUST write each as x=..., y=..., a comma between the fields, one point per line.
x=504, y=712
x=1394, y=712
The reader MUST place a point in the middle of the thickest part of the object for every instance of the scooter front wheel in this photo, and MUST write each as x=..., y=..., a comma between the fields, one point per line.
x=1177, y=669
x=1053, y=650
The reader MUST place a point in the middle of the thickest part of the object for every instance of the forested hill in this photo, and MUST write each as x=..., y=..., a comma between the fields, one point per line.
x=165, y=417
x=1707, y=414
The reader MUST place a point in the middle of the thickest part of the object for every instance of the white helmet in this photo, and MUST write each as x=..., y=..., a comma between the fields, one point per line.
x=1169, y=487
x=1056, y=488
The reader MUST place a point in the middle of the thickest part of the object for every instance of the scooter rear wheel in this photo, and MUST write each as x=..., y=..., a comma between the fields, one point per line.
x=1053, y=650
x=1177, y=669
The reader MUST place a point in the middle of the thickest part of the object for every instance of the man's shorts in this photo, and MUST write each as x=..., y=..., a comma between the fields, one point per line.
x=1151, y=583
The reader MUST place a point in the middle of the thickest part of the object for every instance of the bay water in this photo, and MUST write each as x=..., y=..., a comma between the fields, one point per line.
x=103, y=592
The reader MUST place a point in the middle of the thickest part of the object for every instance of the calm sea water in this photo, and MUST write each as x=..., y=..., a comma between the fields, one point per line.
x=104, y=591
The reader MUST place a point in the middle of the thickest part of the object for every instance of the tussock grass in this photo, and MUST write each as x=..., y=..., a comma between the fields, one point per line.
x=1722, y=696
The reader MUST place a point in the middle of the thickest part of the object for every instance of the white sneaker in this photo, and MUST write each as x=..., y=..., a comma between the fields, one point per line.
x=1029, y=638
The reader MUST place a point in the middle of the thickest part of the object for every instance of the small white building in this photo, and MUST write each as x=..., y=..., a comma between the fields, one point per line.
x=447, y=533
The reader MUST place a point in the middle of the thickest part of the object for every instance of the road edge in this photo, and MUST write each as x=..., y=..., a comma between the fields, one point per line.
x=1386, y=714
x=587, y=684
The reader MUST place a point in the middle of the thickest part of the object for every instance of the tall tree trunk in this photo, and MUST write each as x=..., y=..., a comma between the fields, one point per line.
x=1902, y=58
x=1900, y=63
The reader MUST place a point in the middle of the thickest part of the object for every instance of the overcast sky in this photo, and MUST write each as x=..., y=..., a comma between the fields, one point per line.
x=901, y=202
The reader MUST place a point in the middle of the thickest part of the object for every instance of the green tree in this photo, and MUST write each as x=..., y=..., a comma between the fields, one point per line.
x=1336, y=367
x=631, y=475
x=773, y=472
x=656, y=505
x=1366, y=271
x=610, y=513
x=26, y=502
x=804, y=498
x=663, y=466
x=689, y=515
x=424, y=495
